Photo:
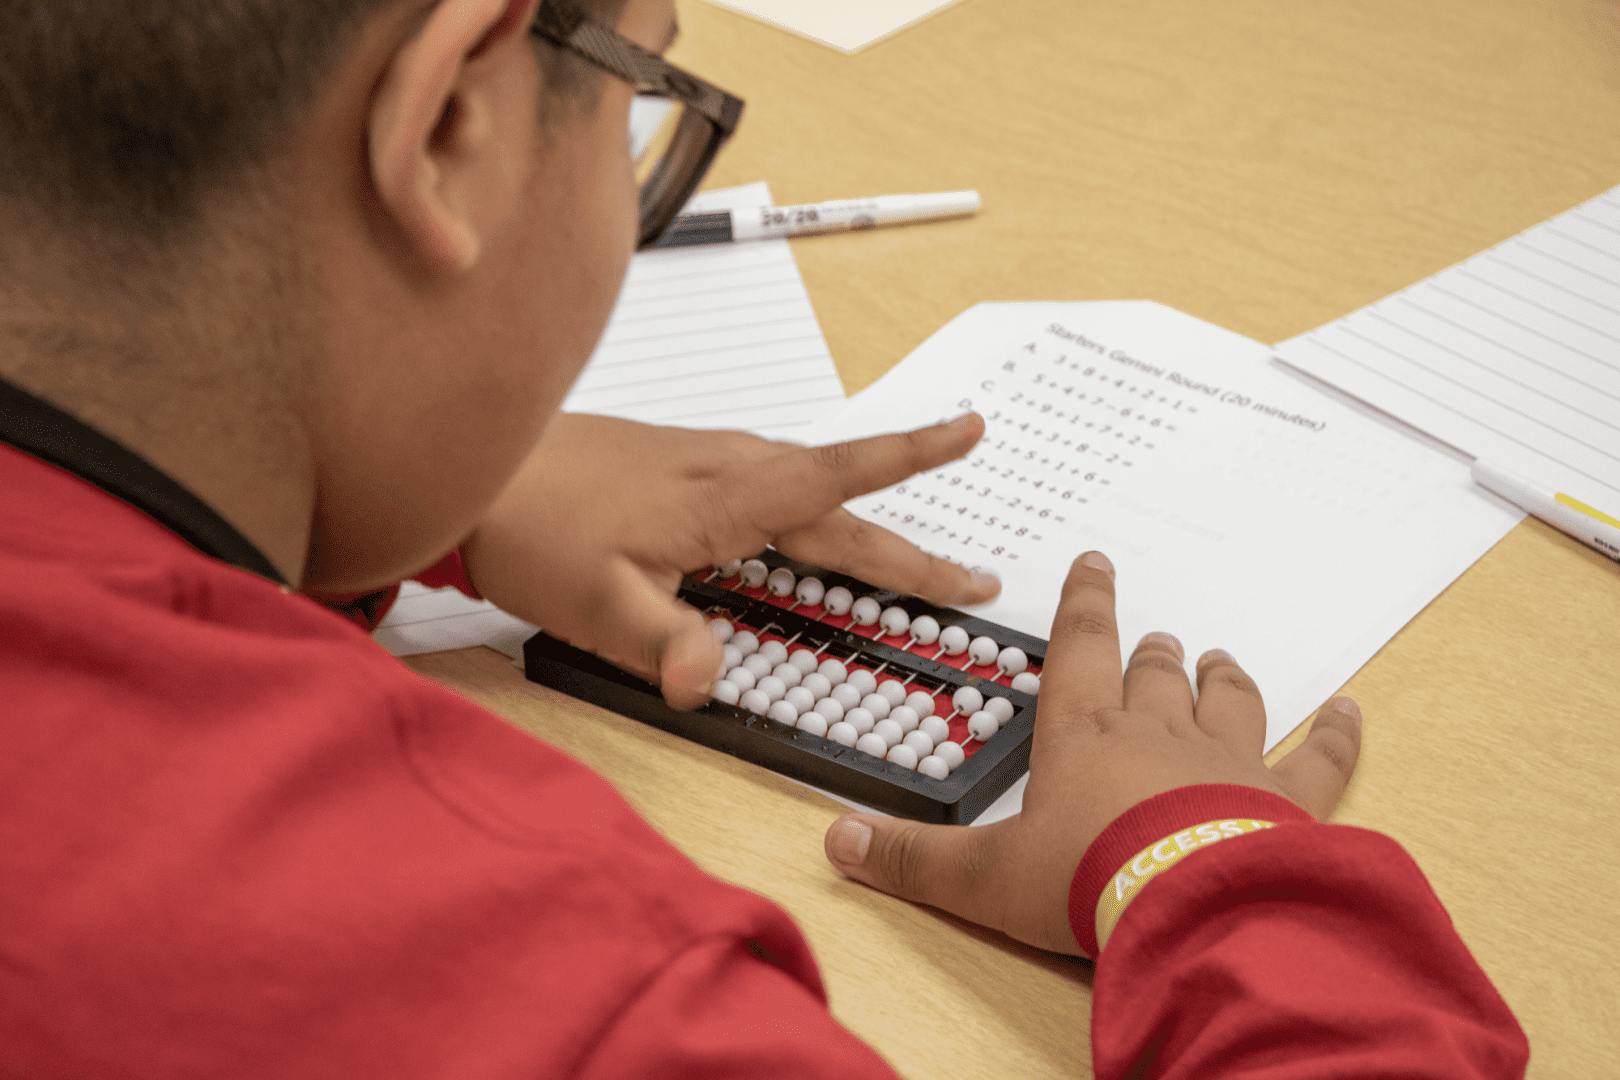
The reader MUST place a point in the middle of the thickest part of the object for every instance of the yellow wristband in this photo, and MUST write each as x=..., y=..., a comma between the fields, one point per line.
x=1159, y=856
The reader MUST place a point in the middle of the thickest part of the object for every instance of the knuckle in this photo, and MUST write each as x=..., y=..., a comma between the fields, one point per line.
x=1154, y=662
x=836, y=458
x=1082, y=624
x=1228, y=677
x=1337, y=748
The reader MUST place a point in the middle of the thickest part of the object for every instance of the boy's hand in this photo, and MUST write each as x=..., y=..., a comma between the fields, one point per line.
x=592, y=536
x=1103, y=742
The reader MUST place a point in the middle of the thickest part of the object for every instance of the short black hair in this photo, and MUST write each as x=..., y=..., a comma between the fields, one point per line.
x=121, y=117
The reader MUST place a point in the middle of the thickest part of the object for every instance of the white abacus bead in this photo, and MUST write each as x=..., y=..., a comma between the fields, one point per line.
x=804, y=660
x=755, y=702
x=860, y=719
x=889, y=732
x=895, y=621
x=905, y=718
x=872, y=743
x=721, y=629
x=935, y=728
x=783, y=713
x=919, y=742
x=815, y=723
x=729, y=569
x=894, y=690
x=838, y=600
x=951, y=754
x=842, y=732
x=981, y=725
x=781, y=581
x=773, y=688
x=810, y=591
x=831, y=708
x=903, y=756
x=754, y=573
x=1027, y=681
x=790, y=675
x=968, y=700
x=865, y=611
x=833, y=671
x=983, y=650
x=725, y=690
x=745, y=642
x=817, y=684
x=925, y=628
x=877, y=705
x=801, y=698
x=1012, y=660
x=921, y=701
x=1000, y=708
x=954, y=640
x=733, y=656
x=846, y=695
x=774, y=651
x=741, y=678
x=862, y=680
x=760, y=666
x=723, y=667
x=934, y=765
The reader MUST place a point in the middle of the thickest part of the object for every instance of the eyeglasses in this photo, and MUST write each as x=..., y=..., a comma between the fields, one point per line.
x=703, y=117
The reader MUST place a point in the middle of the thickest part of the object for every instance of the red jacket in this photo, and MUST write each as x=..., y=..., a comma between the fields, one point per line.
x=238, y=839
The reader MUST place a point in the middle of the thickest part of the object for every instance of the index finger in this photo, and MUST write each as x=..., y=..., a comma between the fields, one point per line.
x=788, y=491
x=1083, y=670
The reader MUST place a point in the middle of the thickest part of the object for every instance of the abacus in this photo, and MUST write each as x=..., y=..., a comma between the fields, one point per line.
x=889, y=701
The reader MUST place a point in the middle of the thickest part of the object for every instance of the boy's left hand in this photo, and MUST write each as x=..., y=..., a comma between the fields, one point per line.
x=592, y=536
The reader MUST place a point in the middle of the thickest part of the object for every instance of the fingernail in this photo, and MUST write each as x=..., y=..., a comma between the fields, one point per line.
x=1096, y=560
x=1166, y=641
x=1344, y=705
x=986, y=584
x=851, y=839
x=965, y=420
x=1216, y=656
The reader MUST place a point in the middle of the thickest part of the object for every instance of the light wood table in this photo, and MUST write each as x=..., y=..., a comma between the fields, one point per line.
x=1267, y=166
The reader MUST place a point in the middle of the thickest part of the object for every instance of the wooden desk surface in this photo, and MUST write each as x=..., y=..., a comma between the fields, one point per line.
x=1267, y=166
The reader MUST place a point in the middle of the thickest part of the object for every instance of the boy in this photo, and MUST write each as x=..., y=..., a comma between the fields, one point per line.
x=292, y=292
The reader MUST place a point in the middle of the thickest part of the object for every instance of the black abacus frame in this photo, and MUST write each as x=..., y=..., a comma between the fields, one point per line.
x=842, y=770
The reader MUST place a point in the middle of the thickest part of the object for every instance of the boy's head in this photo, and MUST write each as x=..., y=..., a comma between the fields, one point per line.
x=337, y=258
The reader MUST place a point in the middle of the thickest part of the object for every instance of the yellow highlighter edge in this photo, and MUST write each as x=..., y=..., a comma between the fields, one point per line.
x=1576, y=504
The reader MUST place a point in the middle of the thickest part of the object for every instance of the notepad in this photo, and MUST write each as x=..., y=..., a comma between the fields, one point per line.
x=1243, y=509
x=717, y=336
x=849, y=25
x=1513, y=355
x=707, y=337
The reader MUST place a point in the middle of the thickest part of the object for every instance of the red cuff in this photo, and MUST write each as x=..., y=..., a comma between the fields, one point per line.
x=1155, y=818
x=449, y=571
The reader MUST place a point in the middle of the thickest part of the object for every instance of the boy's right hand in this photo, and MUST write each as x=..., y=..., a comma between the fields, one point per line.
x=1104, y=741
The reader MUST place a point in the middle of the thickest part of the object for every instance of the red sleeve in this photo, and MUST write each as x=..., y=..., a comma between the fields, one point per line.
x=1304, y=951
x=369, y=609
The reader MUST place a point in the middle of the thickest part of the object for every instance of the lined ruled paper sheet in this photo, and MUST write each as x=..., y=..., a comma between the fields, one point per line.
x=717, y=336
x=1512, y=356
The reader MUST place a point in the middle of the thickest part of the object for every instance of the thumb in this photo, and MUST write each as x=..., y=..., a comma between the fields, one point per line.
x=655, y=635
x=939, y=865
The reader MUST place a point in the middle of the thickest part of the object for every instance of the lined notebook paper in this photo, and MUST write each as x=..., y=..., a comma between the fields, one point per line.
x=1513, y=355
x=717, y=336
x=704, y=337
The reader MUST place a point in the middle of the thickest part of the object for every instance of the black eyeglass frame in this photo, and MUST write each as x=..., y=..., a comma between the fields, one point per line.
x=711, y=114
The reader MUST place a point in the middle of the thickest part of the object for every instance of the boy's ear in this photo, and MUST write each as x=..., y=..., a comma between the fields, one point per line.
x=433, y=138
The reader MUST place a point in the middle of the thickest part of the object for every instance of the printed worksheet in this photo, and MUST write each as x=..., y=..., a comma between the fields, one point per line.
x=1243, y=509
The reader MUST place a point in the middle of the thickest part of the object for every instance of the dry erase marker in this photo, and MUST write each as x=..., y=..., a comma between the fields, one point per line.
x=777, y=222
x=1591, y=527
